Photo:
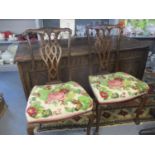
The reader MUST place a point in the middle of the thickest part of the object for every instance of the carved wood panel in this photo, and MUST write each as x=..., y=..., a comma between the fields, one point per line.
x=105, y=38
x=50, y=50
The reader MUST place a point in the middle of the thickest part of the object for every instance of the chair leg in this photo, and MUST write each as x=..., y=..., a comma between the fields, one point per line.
x=98, y=118
x=141, y=107
x=30, y=130
x=91, y=120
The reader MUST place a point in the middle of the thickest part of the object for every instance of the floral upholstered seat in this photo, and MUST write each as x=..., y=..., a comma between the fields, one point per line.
x=116, y=87
x=57, y=102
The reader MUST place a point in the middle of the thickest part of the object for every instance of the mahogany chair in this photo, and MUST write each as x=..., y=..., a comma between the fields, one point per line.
x=118, y=88
x=55, y=101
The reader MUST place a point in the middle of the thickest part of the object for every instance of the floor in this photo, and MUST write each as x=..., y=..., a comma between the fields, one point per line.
x=13, y=122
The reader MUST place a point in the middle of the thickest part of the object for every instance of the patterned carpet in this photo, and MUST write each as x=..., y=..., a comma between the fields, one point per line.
x=128, y=114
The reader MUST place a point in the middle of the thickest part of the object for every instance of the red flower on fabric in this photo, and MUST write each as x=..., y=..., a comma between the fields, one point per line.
x=56, y=96
x=32, y=111
x=104, y=94
x=116, y=83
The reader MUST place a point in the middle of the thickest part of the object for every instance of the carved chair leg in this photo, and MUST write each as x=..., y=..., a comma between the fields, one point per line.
x=140, y=108
x=98, y=118
x=90, y=123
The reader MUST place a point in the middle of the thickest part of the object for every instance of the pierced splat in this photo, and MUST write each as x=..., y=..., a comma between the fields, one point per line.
x=51, y=55
x=104, y=38
x=50, y=49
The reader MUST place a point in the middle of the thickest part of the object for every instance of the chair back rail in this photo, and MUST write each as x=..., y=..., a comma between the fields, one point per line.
x=50, y=49
x=104, y=37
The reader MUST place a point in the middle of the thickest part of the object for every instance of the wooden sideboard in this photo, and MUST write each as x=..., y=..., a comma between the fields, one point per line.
x=133, y=56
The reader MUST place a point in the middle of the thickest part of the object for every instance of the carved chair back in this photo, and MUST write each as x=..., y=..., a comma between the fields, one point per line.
x=50, y=48
x=106, y=38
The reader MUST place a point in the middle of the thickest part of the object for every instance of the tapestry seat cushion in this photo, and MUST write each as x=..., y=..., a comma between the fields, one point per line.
x=116, y=87
x=57, y=102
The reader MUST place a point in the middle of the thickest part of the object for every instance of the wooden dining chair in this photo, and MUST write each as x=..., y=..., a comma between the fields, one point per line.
x=117, y=88
x=55, y=101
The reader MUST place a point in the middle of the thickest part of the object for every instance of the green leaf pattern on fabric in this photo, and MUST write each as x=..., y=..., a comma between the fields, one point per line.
x=116, y=87
x=52, y=101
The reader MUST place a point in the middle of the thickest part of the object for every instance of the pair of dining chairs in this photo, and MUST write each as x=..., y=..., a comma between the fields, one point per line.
x=57, y=101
